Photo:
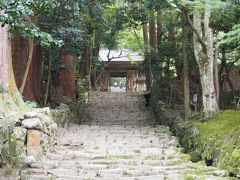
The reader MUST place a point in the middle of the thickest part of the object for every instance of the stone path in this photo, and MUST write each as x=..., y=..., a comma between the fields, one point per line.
x=119, y=141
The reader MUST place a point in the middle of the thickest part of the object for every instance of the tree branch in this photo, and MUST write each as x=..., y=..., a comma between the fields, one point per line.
x=109, y=62
x=202, y=42
x=111, y=58
x=104, y=67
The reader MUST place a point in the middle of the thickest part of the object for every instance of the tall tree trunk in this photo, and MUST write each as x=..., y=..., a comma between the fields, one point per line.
x=85, y=63
x=20, y=53
x=203, y=49
x=67, y=77
x=10, y=98
x=159, y=30
x=48, y=79
x=149, y=78
x=36, y=74
x=210, y=55
x=173, y=40
x=90, y=64
x=94, y=68
x=229, y=81
x=153, y=47
x=222, y=77
x=186, y=30
x=94, y=77
x=146, y=38
x=152, y=32
x=216, y=74
x=149, y=70
x=32, y=89
x=30, y=56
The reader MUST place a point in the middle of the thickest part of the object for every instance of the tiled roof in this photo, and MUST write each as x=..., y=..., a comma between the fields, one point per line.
x=120, y=55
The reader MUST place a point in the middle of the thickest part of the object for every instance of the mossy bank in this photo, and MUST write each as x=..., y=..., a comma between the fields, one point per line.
x=216, y=140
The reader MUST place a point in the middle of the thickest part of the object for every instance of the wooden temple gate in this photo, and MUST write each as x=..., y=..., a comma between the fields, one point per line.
x=120, y=69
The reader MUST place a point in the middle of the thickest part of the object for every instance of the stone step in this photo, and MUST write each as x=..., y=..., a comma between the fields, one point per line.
x=37, y=177
x=120, y=141
x=66, y=177
x=53, y=164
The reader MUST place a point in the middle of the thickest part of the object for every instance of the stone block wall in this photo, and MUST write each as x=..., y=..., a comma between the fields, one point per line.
x=26, y=137
x=30, y=134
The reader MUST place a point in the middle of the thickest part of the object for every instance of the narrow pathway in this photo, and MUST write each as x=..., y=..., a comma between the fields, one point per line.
x=119, y=141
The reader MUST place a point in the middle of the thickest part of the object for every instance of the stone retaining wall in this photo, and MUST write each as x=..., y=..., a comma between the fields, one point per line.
x=28, y=136
x=25, y=138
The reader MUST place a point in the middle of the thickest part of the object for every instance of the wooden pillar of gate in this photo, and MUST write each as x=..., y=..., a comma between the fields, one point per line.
x=104, y=82
x=132, y=81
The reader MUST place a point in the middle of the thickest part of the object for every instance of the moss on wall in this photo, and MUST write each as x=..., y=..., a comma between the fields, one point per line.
x=216, y=140
x=219, y=140
x=73, y=113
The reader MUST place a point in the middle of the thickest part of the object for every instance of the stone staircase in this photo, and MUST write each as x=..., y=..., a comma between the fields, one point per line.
x=120, y=140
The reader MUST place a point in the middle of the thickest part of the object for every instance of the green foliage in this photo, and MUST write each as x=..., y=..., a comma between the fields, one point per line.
x=20, y=17
x=222, y=123
x=190, y=174
x=78, y=109
x=73, y=113
x=215, y=140
x=8, y=148
x=61, y=24
x=232, y=38
x=72, y=26
x=195, y=156
x=3, y=89
x=31, y=104
x=224, y=19
x=218, y=138
x=199, y=4
x=131, y=39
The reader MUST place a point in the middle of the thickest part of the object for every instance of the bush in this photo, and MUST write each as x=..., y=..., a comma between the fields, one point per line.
x=8, y=148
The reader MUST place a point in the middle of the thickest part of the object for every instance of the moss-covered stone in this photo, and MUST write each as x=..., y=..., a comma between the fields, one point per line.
x=78, y=111
x=186, y=157
x=74, y=112
x=216, y=140
x=197, y=172
x=195, y=156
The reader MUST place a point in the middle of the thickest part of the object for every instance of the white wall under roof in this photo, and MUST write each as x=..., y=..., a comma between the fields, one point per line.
x=125, y=55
